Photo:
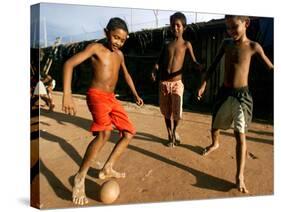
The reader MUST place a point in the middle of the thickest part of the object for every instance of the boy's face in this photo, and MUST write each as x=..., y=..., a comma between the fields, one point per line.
x=177, y=28
x=236, y=27
x=116, y=38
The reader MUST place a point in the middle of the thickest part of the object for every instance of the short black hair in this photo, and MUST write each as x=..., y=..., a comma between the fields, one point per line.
x=117, y=23
x=241, y=17
x=178, y=16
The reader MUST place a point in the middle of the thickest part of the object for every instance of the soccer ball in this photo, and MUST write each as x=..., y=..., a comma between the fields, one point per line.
x=109, y=191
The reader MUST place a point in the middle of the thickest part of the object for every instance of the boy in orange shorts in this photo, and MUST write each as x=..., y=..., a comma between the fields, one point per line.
x=107, y=111
x=106, y=62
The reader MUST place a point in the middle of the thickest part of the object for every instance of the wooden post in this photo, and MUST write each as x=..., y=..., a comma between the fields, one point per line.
x=49, y=62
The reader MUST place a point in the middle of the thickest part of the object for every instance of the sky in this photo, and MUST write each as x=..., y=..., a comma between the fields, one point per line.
x=86, y=22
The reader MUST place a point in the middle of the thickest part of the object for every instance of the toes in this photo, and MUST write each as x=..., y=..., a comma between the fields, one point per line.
x=209, y=149
x=80, y=200
x=118, y=175
x=101, y=175
x=122, y=175
x=205, y=152
x=243, y=190
x=86, y=200
x=75, y=200
x=112, y=174
x=83, y=200
x=171, y=144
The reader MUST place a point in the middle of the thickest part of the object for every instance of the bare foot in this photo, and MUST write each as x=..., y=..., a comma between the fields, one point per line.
x=210, y=149
x=52, y=106
x=109, y=172
x=241, y=186
x=170, y=142
x=78, y=191
x=177, y=139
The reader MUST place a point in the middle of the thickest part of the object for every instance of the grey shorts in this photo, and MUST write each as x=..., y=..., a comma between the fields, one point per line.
x=233, y=106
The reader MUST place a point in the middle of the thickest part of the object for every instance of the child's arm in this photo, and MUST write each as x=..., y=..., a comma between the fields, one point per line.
x=153, y=72
x=47, y=79
x=210, y=70
x=129, y=80
x=264, y=58
x=193, y=58
x=160, y=60
x=68, y=105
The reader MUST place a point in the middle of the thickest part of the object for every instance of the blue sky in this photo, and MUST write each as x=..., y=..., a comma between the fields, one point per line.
x=82, y=22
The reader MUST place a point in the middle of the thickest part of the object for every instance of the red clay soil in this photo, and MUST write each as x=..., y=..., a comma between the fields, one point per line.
x=155, y=173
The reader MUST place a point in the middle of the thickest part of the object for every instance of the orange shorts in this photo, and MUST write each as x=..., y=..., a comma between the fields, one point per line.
x=107, y=111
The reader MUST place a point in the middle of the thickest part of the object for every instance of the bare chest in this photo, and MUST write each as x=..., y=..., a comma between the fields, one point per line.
x=238, y=54
x=176, y=51
x=107, y=61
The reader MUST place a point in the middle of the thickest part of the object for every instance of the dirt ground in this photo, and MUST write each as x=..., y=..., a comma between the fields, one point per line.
x=155, y=173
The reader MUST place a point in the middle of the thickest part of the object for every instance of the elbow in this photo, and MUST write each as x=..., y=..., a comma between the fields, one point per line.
x=128, y=78
x=67, y=65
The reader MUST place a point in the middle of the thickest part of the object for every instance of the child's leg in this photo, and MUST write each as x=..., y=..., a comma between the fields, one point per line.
x=165, y=103
x=215, y=142
x=78, y=192
x=176, y=139
x=241, y=150
x=108, y=171
x=46, y=99
x=52, y=104
x=176, y=107
x=168, y=123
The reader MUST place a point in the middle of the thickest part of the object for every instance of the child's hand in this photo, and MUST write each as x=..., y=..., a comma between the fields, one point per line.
x=153, y=76
x=68, y=105
x=201, y=67
x=139, y=101
x=201, y=90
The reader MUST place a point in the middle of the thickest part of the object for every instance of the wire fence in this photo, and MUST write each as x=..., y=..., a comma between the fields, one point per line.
x=43, y=34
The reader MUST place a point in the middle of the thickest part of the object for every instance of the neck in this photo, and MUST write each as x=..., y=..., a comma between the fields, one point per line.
x=179, y=38
x=241, y=40
x=106, y=45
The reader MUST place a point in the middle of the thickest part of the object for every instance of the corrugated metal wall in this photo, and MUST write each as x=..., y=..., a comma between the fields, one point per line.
x=143, y=48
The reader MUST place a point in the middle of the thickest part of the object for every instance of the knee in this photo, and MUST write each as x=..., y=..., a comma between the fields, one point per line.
x=215, y=132
x=240, y=137
x=128, y=135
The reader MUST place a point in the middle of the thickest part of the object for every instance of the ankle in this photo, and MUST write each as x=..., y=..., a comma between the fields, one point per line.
x=216, y=144
x=240, y=178
x=80, y=176
x=107, y=167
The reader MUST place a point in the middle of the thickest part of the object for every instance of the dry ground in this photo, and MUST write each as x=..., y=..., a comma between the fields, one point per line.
x=155, y=172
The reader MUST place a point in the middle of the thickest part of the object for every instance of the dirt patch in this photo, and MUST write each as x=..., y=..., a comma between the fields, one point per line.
x=155, y=173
